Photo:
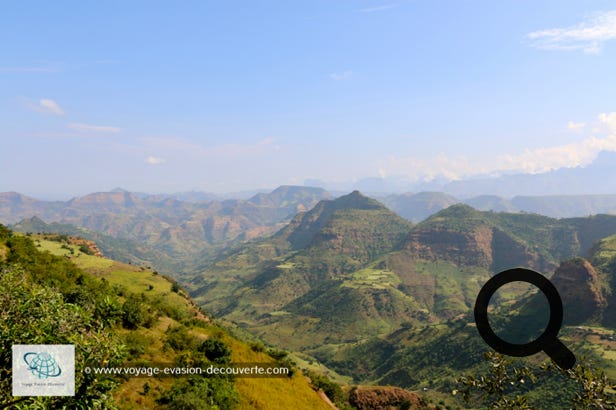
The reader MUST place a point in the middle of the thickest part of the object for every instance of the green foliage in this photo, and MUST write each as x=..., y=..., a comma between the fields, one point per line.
x=257, y=347
x=175, y=287
x=495, y=388
x=505, y=385
x=133, y=313
x=179, y=338
x=333, y=391
x=136, y=343
x=86, y=249
x=592, y=385
x=32, y=314
x=201, y=393
x=216, y=351
x=277, y=354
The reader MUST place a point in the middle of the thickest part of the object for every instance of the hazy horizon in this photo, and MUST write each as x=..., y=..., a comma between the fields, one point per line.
x=242, y=96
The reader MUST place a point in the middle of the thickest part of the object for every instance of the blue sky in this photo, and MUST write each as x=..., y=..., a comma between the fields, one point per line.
x=162, y=96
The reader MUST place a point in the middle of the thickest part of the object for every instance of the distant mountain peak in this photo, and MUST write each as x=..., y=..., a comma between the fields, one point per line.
x=459, y=210
x=356, y=200
x=306, y=225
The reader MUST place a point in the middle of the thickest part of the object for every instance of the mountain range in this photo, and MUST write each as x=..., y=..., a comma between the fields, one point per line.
x=376, y=295
x=185, y=236
x=169, y=233
x=351, y=273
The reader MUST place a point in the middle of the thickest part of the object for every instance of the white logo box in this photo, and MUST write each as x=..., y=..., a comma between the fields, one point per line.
x=43, y=370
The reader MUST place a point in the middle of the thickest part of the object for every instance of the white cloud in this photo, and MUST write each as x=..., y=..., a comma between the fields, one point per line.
x=345, y=75
x=154, y=160
x=44, y=106
x=50, y=106
x=575, y=126
x=608, y=120
x=588, y=36
x=94, y=128
x=532, y=161
x=568, y=155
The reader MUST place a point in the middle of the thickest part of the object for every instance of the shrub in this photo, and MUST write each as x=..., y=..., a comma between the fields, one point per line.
x=86, y=249
x=179, y=339
x=215, y=350
x=133, y=313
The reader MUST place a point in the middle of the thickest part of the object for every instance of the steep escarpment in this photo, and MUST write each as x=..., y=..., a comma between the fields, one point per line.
x=581, y=290
x=467, y=237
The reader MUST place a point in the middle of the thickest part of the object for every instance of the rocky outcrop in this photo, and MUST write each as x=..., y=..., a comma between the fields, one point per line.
x=482, y=245
x=385, y=398
x=465, y=248
x=580, y=290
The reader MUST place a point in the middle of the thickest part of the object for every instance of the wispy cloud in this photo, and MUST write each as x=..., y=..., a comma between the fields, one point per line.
x=532, y=161
x=588, y=36
x=44, y=106
x=154, y=160
x=345, y=75
x=94, y=128
x=575, y=126
x=378, y=8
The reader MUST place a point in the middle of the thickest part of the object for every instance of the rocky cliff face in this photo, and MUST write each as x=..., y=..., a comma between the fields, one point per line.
x=470, y=247
x=481, y=245
x=385, y=398
x=580, y=290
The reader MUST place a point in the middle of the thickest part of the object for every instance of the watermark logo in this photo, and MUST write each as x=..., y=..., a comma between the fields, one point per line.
x=42, y=365
x=43, y=370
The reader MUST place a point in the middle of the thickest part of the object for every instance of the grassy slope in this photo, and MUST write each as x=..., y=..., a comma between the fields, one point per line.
x=255, y=393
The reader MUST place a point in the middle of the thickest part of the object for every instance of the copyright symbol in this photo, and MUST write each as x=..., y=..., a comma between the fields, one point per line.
x=86, y=370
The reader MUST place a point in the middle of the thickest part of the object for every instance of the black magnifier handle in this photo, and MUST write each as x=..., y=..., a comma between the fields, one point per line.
x=559, y=353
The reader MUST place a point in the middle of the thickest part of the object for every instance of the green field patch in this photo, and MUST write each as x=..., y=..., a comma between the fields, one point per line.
x=286, y=265
x=82, y=260
x=279, y=313
x=371, y=278
x=455, y=288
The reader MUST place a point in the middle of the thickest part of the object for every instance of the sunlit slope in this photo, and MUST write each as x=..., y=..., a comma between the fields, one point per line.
x=173, y=329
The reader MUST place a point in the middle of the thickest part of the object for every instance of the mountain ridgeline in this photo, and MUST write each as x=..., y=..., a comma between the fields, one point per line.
x=184, y=233
x=350, y=270
x=172, y=235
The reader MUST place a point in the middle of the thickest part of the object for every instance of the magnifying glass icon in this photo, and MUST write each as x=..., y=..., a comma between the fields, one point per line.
x=548, y=341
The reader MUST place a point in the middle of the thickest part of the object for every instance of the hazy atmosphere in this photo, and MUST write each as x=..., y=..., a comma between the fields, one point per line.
x=308, y=204
x=229, y=96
